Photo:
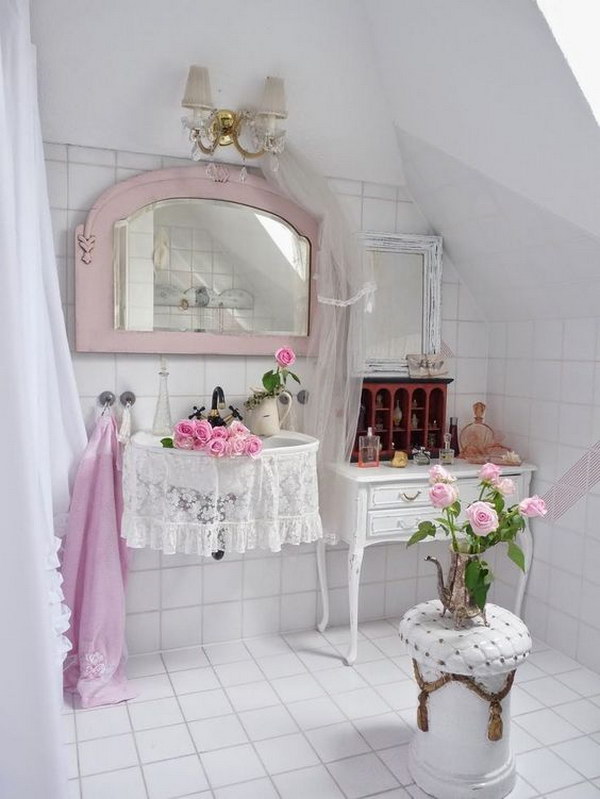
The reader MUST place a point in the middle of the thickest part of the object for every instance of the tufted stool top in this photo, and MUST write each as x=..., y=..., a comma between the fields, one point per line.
x=475, y=650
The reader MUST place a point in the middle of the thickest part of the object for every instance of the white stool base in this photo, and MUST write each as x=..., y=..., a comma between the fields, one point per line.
x=441, y=785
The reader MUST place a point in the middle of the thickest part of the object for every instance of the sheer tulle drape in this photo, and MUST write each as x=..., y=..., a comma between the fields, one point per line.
x=333, y=368
x=42, y=434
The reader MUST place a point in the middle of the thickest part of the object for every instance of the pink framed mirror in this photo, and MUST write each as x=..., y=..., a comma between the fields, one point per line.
x=173, y=261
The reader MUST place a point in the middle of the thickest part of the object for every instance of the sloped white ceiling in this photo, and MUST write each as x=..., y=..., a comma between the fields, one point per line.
x=485, y=81
x=112, y=74
x=519, y=260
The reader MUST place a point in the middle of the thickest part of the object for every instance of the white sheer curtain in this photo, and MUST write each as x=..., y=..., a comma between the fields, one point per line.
x=42, y=435
x=344, y=288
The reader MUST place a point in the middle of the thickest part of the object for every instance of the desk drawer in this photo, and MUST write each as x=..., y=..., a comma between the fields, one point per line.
x=400, y=523
x=400, y=495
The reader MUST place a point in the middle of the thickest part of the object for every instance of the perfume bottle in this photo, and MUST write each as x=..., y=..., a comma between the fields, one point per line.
x=162, y=424
x=453, y=430
x=368, y=449
x=447, y=453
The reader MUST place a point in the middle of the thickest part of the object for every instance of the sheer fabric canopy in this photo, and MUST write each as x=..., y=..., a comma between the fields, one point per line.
x=334, y=365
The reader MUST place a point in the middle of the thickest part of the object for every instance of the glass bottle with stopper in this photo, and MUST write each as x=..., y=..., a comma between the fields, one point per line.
x=447, y=453
x=368, y=449
x=163, y=423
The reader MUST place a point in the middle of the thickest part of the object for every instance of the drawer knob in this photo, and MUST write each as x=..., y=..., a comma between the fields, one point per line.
x=408, y=498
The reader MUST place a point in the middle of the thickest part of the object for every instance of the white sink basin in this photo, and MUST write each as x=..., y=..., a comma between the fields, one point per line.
x=289, y=441
x=285, y=442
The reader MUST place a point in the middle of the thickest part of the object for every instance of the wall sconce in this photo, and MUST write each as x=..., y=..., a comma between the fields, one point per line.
x=212, y=127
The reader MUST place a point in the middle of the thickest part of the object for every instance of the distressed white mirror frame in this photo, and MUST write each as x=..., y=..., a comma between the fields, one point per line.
x=430, y=247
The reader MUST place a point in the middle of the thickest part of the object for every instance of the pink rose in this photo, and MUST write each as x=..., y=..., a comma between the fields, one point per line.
x=490, y=473
x=203, y=430
x=285, y=357
x=237, y=445
x=437, y=474
x=184, y=428
x=482, y=517
x=253, y=446
x=220, y=432
x=238, y=429
x=533, y=506
x=183, y=442
x=217, y=447
x=442, y=495
x=505, y=486
x=199, y=445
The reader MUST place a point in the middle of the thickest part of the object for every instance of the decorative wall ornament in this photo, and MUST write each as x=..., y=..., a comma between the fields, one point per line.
x=86, y=244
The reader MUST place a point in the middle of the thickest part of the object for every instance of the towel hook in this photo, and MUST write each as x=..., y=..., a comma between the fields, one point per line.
x=127, y=399
x=107, y=400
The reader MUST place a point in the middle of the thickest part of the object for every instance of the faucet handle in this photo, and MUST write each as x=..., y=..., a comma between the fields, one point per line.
x=197, y=412
x=235, y=413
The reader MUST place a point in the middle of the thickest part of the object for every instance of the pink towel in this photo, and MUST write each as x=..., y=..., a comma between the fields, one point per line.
x=95, y=570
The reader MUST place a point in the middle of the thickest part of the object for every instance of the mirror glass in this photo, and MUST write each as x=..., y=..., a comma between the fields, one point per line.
x=210, y=266
x=395, y=327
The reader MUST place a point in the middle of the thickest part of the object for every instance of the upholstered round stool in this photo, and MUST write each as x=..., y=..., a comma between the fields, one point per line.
x=462, y=745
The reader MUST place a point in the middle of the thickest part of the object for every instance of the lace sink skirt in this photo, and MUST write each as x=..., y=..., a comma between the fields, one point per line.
x=179, y=501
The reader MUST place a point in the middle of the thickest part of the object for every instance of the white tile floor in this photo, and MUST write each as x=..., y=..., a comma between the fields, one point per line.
x=282, y=717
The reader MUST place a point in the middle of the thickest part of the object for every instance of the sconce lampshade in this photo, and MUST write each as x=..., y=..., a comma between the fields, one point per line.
x=197, y=89
x=273, y=99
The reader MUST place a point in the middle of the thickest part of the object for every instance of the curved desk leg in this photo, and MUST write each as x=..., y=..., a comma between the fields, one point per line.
x=322, y=572
x=526, y=542
x=355, y=558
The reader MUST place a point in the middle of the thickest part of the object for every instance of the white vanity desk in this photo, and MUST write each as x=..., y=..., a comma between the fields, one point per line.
x=383, y=504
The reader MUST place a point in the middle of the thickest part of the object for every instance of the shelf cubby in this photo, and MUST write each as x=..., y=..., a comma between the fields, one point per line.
x=426, y=399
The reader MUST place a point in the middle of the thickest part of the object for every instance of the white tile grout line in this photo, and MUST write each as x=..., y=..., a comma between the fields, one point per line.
x=235, y=712
x=187, y=726
x=137, y=750
x=327, y=693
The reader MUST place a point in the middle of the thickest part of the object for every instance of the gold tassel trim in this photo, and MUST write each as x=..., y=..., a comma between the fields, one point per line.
x=495, y=724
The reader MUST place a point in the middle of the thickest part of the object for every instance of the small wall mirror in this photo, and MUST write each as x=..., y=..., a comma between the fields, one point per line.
x=406, y=317
x=172, y=261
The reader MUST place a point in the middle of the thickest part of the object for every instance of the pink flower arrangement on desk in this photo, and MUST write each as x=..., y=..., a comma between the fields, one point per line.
x=201, y=436
x=488, y=522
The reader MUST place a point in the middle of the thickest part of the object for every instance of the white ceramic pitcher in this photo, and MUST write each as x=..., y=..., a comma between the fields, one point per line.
x=266, y=420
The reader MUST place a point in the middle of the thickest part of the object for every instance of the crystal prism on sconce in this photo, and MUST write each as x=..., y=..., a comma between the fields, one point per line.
x=252, y=133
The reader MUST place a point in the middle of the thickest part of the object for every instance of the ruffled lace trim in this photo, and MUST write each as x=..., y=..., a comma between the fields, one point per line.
x=60, y=615
x=198, y=539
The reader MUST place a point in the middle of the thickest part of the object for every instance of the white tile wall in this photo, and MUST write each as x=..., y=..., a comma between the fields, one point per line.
x=176, y=601
x=544, y=388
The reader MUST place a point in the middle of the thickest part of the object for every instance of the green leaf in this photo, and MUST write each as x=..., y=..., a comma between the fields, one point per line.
x=424, y=530
x=417, y=536
x=498, y=503
x=472, y=574
x=479, y=596
x=296, y=378
x=455, y=508
x=270, y=381
x=428, y=527
x=167, y=443
x=515, y=553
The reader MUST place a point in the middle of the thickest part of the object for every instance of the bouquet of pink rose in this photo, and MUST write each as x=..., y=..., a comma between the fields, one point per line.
x=219, y=442
x=488, y=522
x=274, y=380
